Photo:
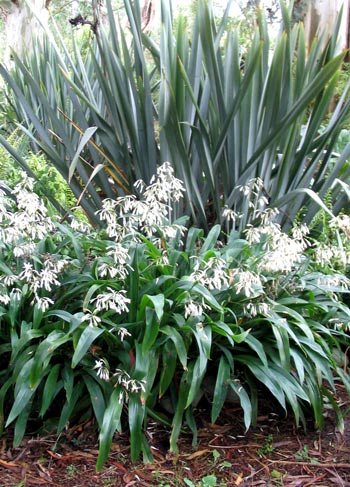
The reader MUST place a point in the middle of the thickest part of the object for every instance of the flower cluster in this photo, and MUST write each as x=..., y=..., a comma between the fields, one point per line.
x=23, y=219
x=119, y=378
x=212, y=273
x=150, y=213
x=24, y=223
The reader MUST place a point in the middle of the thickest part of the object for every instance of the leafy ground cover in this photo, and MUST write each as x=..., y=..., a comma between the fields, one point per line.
x=272, y=454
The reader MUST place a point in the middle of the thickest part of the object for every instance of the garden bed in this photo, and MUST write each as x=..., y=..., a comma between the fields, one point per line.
x=275, y=453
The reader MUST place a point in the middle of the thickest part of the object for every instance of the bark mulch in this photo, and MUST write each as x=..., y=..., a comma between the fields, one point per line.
x=274, y=453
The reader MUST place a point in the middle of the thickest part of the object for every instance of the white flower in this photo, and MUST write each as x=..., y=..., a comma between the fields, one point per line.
x=213, y=273
x=193, y=309
x=16, y=293
x=165, y=186
x=247, y=282
x=334, y=280
x=9, y=280
x=341, y=222
x=46, y=279
x=324, y=254
x=112, y=300
x=254, y=309
x=118, y=267
x=24, y=250
x=128, y=215
x=28, y=272
x=253, y=234
x=79, y=226
x=229, y=214
x=129, y=384
x=122, y=333
x=282, y=252
x=5, y=299
x=101, y=369
x=91, y=318
x=43, y=303
x=267, y=215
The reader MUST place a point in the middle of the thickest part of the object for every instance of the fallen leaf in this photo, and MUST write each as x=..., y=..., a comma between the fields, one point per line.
x=198, y=453
x=239, y=479
x=8, y=464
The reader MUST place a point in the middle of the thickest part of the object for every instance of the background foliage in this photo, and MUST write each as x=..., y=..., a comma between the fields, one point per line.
x=221, y=116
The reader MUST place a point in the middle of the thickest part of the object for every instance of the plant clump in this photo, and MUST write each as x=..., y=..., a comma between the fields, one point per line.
x=112, y=323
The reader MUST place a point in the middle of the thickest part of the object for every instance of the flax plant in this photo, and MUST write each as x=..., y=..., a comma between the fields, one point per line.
x=222, y=115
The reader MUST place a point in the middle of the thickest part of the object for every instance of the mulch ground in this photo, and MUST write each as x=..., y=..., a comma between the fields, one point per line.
x=274, y=453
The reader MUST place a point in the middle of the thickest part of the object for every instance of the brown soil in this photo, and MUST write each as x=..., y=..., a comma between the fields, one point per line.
x=275, y=453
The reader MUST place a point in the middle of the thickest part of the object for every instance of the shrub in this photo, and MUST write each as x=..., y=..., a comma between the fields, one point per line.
x=113, y=322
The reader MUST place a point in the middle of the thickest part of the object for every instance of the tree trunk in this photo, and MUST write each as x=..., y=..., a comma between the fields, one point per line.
x=147, y=15
x=23, y=24
x=319, y=16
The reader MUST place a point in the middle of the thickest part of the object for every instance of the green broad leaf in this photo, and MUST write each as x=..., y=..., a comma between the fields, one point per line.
x=68, y=407
x=211, y=239
x=146, y=368
x=208, y=296
x=184, y=388
x=96, y=398
x=3, y=394
x=191, y=423
x=151, y=330
x=134, y=284
x=89, y=294
x=203, y=336
x=20, y=425
x=315, y=396
x=220, y=390
x=344, y=376
x=298, y=359
x=73, y=320
x=65, y=230
x=44, y=354
x=298, y=319
x=37, y=317
x=50, y=389
x=245, y=402
x=68, y=381
x=86, y=339
x=151, y=312
x=177, y=339
x=136, y=414
x=193, y=236
x=156, y=302
x=111, y=423
x=265, y=375
x=283, y=345
x=153, y=250
x=22, y=399
x=4, y=268
x=147, y=456
x=18, y=344
x=168, y=367
x=258, y=348
x=241, y=337
x=225, y=330
x=292, y=301
x=198, y=373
